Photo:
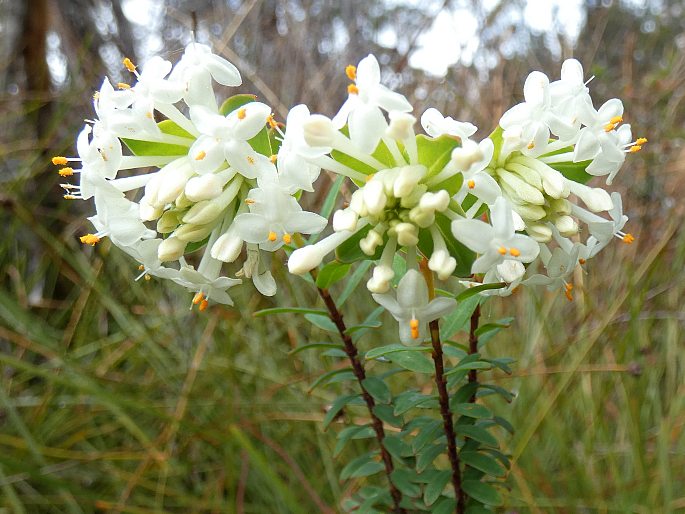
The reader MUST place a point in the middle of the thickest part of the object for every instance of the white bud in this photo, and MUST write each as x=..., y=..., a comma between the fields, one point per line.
x=598, y=200
x=171, y=249
x=227, y=248
x=442, y=263
x=435, y=201
x=566, y=225
x=374, y=197
x=540, y=232
x=304, y=260
x=422, y=218
x=408, y=179
x=380, y=280
x=357, y=203
x=345, y=219
x=319, y=131
x=203, y=187
x=148, y=212
x=530, y=212
x=192, y=233
x=369, y=244
x=407, y=234
x=203, y=212
x=173, y=178
x=401, y=125
x=561, y=206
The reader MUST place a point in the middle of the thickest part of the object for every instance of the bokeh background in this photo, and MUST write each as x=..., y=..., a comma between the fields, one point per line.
x=115, y=397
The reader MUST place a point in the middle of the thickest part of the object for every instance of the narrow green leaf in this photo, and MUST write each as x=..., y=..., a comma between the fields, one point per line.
x=349, y=251
x=402, y=479
x=349, y=433
x=472, y=410
x=444, y=506
x=378, y=389
x=337, y=406
x=410, y=399
x=282, y=310
x=426, y=456
x=363, y=326
x=325, y=377
x=374, y=353
x=234, y=102
x=396, y=446
x=472, y=291
x=368, y=469
x=477, y=433
x=321, y=321
x=482, y=462
x=456, y=319
x=413, y=361
x=315, y=346
x=329, y=203
x=357, y=463
x=353, y=281
x=428, y=433
x=482, y=492
x=386, y=415
x=331, y=273
x=435, y=487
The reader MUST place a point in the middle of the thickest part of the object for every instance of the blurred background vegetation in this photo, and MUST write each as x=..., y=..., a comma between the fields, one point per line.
x=116, y=398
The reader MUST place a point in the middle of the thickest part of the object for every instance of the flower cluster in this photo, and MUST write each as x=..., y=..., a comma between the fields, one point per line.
x=206, y=176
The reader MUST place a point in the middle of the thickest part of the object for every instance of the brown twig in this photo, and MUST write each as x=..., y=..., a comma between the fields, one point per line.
x=360, y=374
x=443, y=397
x=473, y=348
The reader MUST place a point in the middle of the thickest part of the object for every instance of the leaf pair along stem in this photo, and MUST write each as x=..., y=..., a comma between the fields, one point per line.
x=359, y=372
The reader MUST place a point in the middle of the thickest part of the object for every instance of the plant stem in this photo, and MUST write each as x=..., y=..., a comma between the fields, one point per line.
x=473, y=348
x=360, y=373
x=444, y=399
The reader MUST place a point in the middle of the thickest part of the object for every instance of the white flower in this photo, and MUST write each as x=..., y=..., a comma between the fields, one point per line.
x=559, y=265
x=497, y=243
x=208, y=286
x=435, y=125
x=362, y=109
x=412, y=308
x=195, y=71
x=274, y=217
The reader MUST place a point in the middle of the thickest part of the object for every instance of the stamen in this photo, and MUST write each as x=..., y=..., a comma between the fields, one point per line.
x=96, y=95
x=471, y=184
x=531, y=145
x=641, y=141
x=582, y=261
x=249, y=201
x=273, y=158
x=69, y=197
x=58, y=160
x=502, y=251
x=201, y=155
x=147, y=277
x=141, y=268
x=242, y=113
x=66, y=172
x=351, y=72
x=616, y=120
x=128, y=64
x=250, y=159
x=123, y=85
x=609, y=127
x=89, y=239
x=628, y=238
x=352, y=89
x=634, y=149
x=567, y=291
x=198, y=298
x=414, y=326
x=287, y=238
x=271, y=121
x=272, y=236
x=515, y=252
x=203, y=305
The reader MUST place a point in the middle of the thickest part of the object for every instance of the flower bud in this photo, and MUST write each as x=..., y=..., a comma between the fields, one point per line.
x=530, y=212
x=374, y=197
x=345, y=219
x=401, y=125
x=442, y=263
x=357, y=203
x=168, y=222
x=560, y=206
x=148, y=212
x=540, y=232
x=408, y=179
x=203, y=212
x=369, y=244
x=191, y=233
x=203, y=187
x=173, y=178
x=227, y=248
x=304, y=260
x=380, y=280
x=170, y=249
x=319, y=131
x=407, y=234
x=422, y=218
x=438, y=201
x=566, y=225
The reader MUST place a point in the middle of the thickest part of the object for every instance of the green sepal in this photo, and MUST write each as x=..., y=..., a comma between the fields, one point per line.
x=435, y=152
x=235, y=102
x=143, y=148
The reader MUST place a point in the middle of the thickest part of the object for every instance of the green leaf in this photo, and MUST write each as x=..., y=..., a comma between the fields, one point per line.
x=456, y=319
x=337, y=406
x=328, y=203
x=353, y=163
x=504, y=424
x=234, y=102
x=386, y=415
x=413, y=361
x=331, y=273
x=470, y=365
x=349, y=433
x=435, y=487
x=142, y=148
x=326, y=376
x=282, y=310
x=463, y=255
x=374, y=353
x=426, y=457
x=322, y=321
x=444, y=506
x=495, y=389
x=427, y=434
x=574, y=170
x=353, y=281
x=472, y=291
x=402, y=479
x=482, y=462
x=477, y=433
x=396, y=446
x=315, y=346
x=368, y=469
x=335, y=353
x=472, y=410
x=378, y=389
x=358, y=462
x=410, y=399
x=435, y=153
x=482, y=492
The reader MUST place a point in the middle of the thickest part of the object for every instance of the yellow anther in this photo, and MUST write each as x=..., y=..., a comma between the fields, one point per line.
x=201, y=155
x=351, y=72
x=273, y=158
x=89, y=239
x=249, y=201
x=203, y=305
x=141, y=268
x=69, y=197
x=531, y=145
x=242, y=112
x=628, y=239
x=352, y=89
x=582, y=261
x=271, y=121
x=641, y=141
x=635, y=149
x=287, y=238
x=123, y=85
x=250, y=159
x=198, y=298
x=96, y=95
x=58, y=160
x=502, y=251
x=369, y=177
x=272, y=236
x=414, y=326
x=567, y=291
x=149, y=115
x=616, y=120
x=128, y=64
x=471, y=184
x=148, y=278
x=515, y=252
x=66, y=172
x=609, y=127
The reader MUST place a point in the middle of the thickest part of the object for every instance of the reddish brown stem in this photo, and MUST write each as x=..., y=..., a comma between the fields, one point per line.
x=360, y=374
x=473, y=348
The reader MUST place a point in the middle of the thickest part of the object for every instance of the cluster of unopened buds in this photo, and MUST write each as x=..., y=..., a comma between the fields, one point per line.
x=227, y=179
